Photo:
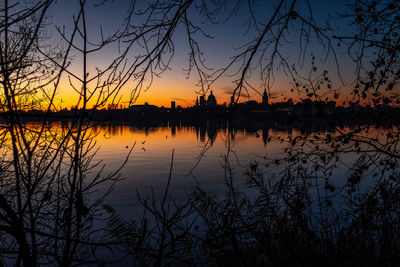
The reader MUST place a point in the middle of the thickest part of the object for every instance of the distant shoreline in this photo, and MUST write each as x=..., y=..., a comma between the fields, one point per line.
x=279, y=120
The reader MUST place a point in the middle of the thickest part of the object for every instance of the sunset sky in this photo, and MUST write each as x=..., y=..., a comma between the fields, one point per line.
x=173, y=85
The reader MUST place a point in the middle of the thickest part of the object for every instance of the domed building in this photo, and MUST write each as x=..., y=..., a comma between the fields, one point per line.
x=211, y=100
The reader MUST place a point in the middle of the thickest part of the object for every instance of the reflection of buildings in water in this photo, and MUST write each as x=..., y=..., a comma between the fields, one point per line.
x=202, y=133
x=173, y=130
x=175, y=127
x=197, y=132
x=206, y=130
x=179, y=128
x=265, y=136
x=232, y=134
x=132, y=129
x=212, y=133
x=113, y=130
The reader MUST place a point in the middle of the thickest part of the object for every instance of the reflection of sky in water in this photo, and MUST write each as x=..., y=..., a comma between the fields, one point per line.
x=150, y=159
x=149, y=163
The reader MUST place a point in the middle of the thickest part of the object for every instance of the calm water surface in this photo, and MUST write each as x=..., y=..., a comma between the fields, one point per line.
x=198, y=158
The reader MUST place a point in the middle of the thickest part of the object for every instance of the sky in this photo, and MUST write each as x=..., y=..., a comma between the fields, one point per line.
x=226, y=41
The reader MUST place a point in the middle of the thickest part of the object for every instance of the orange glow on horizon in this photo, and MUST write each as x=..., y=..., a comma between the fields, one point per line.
x=163, y=99
x=175, y=87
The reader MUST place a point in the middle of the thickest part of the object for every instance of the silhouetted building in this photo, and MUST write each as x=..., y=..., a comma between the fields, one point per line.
x=202, y=100
x=265, y=98
x=145, y=107
x=331, y=106
x=211, y=101
x=251, y=105
x=172, y=104
x=317, y=107
x=306, y=105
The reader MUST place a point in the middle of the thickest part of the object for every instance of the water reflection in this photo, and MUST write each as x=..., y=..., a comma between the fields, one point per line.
x=198, y=150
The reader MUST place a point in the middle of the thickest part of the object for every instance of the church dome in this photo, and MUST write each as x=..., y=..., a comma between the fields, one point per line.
x=211, y=96
x=211, y=100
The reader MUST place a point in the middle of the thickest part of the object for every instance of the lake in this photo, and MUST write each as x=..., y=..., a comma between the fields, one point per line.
x=198, y=158
x=325, y=170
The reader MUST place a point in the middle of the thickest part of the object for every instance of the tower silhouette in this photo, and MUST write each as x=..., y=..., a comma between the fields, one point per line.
x=265, y=98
